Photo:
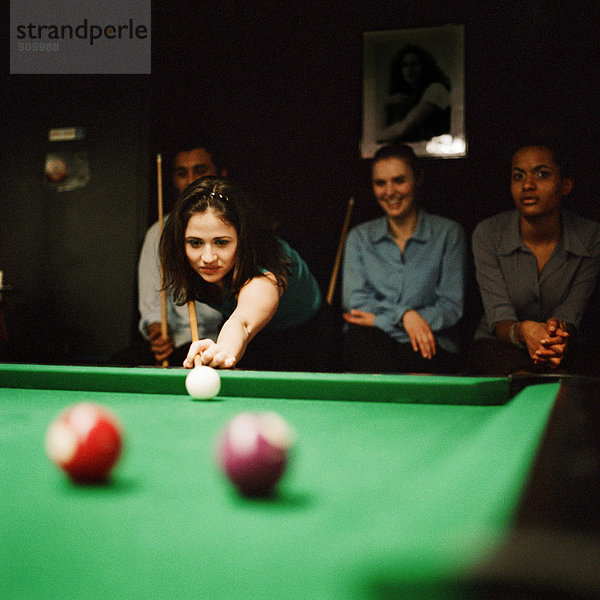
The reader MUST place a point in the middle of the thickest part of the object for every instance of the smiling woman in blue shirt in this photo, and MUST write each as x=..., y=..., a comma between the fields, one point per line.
x=403, y=278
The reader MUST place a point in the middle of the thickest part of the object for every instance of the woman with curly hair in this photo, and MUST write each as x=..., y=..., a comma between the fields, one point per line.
x=218, y=248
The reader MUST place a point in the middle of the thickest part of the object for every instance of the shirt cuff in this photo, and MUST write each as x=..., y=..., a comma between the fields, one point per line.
x=399, y=314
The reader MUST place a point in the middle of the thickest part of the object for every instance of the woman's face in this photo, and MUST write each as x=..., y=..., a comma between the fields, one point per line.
x=412, y=69
x=210, y=246
x=537, y=186
x=395, y=187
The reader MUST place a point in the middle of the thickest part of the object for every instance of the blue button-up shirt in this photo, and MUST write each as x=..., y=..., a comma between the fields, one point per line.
x=427, y=277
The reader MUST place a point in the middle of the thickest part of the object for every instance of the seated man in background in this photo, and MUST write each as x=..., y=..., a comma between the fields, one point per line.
x=194, y=158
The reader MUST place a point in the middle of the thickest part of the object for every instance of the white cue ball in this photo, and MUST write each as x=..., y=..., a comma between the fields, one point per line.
x=203, y=383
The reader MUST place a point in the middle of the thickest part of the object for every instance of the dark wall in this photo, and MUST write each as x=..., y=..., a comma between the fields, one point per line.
x=280, y=85
x=70, y=256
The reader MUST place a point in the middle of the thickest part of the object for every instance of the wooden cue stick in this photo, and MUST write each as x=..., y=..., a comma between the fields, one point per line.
x=194, y=328
x=164, y=330
x=340, y=250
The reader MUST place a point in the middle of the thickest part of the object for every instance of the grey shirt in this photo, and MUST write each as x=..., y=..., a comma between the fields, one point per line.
x=510, y=285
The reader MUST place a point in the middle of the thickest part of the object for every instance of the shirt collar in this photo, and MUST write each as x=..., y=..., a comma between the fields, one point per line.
x=569, y=240
x=380, y=230
x=422, y=232
x=511, y=237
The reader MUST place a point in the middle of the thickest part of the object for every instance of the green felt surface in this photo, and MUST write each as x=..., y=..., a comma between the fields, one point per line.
x=375, y=492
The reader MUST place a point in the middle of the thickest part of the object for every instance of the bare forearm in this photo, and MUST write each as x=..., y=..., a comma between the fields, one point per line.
x=525, y=334
x=234, y=337
x=412, y=120
x=503, y=332
x=544, y=342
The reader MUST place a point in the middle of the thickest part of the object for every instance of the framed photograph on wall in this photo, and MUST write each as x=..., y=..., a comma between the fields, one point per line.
x=414, y=90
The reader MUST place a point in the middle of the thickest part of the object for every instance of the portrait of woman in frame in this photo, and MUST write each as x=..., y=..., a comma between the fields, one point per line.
x=413, y=90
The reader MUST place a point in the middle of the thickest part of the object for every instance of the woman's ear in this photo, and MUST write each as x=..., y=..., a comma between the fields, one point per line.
x=567, y=185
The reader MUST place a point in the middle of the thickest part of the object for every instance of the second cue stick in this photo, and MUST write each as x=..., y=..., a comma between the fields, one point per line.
x=194, y=328
x=338, y=256
x=164, y=330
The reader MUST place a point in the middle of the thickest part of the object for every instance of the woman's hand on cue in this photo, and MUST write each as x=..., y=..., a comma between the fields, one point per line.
x=211, y=355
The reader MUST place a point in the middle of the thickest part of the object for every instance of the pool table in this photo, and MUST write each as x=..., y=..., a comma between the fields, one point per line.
x=398, y=486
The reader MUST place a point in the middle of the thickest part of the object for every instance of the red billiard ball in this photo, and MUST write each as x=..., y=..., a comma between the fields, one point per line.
x=253, y=451
x=85, y=441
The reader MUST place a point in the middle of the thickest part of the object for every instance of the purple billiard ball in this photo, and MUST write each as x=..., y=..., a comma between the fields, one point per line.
x=253, y=451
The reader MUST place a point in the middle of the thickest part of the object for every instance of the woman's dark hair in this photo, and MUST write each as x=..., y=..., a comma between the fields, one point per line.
x=432, y=73
x=402, y=152
x=258, y=248
x=556, y=147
